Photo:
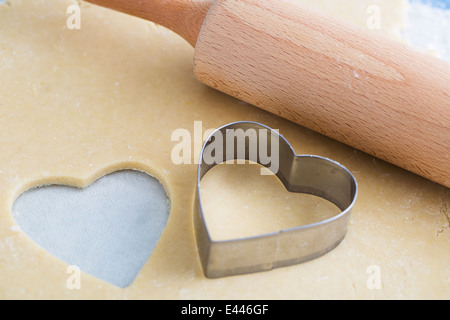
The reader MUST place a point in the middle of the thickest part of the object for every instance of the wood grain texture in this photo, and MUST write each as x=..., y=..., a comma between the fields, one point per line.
x=184, y=17
x=353, y=86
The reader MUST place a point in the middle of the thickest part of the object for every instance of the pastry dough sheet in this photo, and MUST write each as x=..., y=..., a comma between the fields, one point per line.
x=78, y=104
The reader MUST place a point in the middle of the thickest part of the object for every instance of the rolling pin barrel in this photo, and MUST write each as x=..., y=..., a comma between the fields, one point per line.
x=348, y=84
x=366, y=91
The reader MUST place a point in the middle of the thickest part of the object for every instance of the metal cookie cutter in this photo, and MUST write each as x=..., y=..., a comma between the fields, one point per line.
x=299, y=173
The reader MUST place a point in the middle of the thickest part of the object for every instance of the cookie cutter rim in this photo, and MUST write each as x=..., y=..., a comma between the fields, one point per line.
x=299, y=174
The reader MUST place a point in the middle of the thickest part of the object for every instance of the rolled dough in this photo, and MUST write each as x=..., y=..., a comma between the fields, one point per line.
x=78, y=104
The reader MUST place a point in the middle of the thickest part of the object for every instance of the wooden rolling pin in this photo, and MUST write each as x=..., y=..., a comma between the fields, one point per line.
x=359, y=88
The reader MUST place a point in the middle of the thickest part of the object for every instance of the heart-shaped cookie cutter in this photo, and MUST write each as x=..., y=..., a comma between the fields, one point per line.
x=308, y=174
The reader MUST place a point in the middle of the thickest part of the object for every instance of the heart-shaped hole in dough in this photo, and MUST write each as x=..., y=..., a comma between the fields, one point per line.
x=107, y=229
x=239, y=202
